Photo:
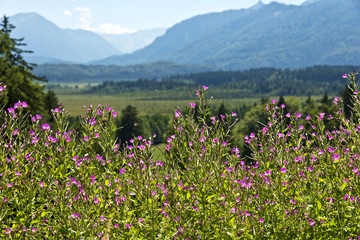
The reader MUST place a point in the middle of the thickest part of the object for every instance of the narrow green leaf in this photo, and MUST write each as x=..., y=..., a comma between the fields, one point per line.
x=344, y=186
x=319, y=205
x=188, y=195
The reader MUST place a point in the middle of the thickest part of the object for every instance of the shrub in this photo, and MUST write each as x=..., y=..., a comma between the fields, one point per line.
x=58, y=184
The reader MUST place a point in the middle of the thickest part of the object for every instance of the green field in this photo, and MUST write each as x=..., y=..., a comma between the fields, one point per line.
x=74, y=103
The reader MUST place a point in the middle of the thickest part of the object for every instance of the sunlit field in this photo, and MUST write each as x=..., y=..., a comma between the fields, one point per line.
x=74, y=103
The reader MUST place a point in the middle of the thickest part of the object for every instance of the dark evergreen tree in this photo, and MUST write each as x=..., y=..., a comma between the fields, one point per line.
x=51, y=102
x=285, y=109
x=222, y=110
x=129, y=124
x=347, y=101
x=264, y=100
x=325, y=100
x=158, y=124
x=310, y=108
x=281, y=100
x=16, y=73
x=308, y=100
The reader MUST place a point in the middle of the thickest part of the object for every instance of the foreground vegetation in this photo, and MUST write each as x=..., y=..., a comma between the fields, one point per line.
x=299, y=179
x=302, y=181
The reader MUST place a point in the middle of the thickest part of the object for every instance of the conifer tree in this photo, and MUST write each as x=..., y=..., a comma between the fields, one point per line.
x=325, y=100
x=51, y=102
x=130, y=124
x=222, y=110
x=347, y=101
x=15, y=72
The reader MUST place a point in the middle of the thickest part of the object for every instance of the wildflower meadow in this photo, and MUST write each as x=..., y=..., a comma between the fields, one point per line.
x=302, y=180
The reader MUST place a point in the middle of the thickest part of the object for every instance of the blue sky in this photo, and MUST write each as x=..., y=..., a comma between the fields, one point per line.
x=121, y=16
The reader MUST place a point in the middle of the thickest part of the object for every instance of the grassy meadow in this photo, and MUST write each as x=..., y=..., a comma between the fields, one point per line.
x=74, y=103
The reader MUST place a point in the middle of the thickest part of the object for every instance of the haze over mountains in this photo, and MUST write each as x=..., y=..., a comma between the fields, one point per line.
x=52, y=44
x=265, y=35
x=129, y=42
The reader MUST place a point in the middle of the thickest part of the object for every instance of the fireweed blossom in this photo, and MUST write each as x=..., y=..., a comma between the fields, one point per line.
x=45, y=126
x=177, y=114
x=20, y=105
x=2, y=88
x=279, y=162
x=311, y=222
x=167, y=148
x=159, y=163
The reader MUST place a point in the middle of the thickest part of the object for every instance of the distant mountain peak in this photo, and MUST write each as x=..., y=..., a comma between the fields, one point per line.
x=258, y=5
x=308, y=2
x=50, y=42
x=276, y=35
x=28, y=16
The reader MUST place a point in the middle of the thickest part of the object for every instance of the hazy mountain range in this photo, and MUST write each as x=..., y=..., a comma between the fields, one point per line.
x=130, y=42
x=52, y=44
x=265, y=35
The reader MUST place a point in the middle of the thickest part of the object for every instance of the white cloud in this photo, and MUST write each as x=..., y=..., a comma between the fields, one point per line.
x=84, y=12
x=86, y=17
x=67, y=12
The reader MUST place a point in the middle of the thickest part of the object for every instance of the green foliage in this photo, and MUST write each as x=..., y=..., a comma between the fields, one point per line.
x=156, y=124
x=252, y=121
x=346, y=95
x=51, y=102
x=261, y=82
x=130, y=125
x=76, y=73
x=112, y=87
x=221, y=110
x=60, y=184
x=16, y=73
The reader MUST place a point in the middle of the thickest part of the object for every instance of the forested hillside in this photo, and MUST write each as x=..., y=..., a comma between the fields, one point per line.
x=269, y=35
x=77, y=73
x=259, y=82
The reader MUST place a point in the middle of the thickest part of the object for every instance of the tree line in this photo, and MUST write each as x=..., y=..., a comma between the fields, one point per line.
x=259, y=82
